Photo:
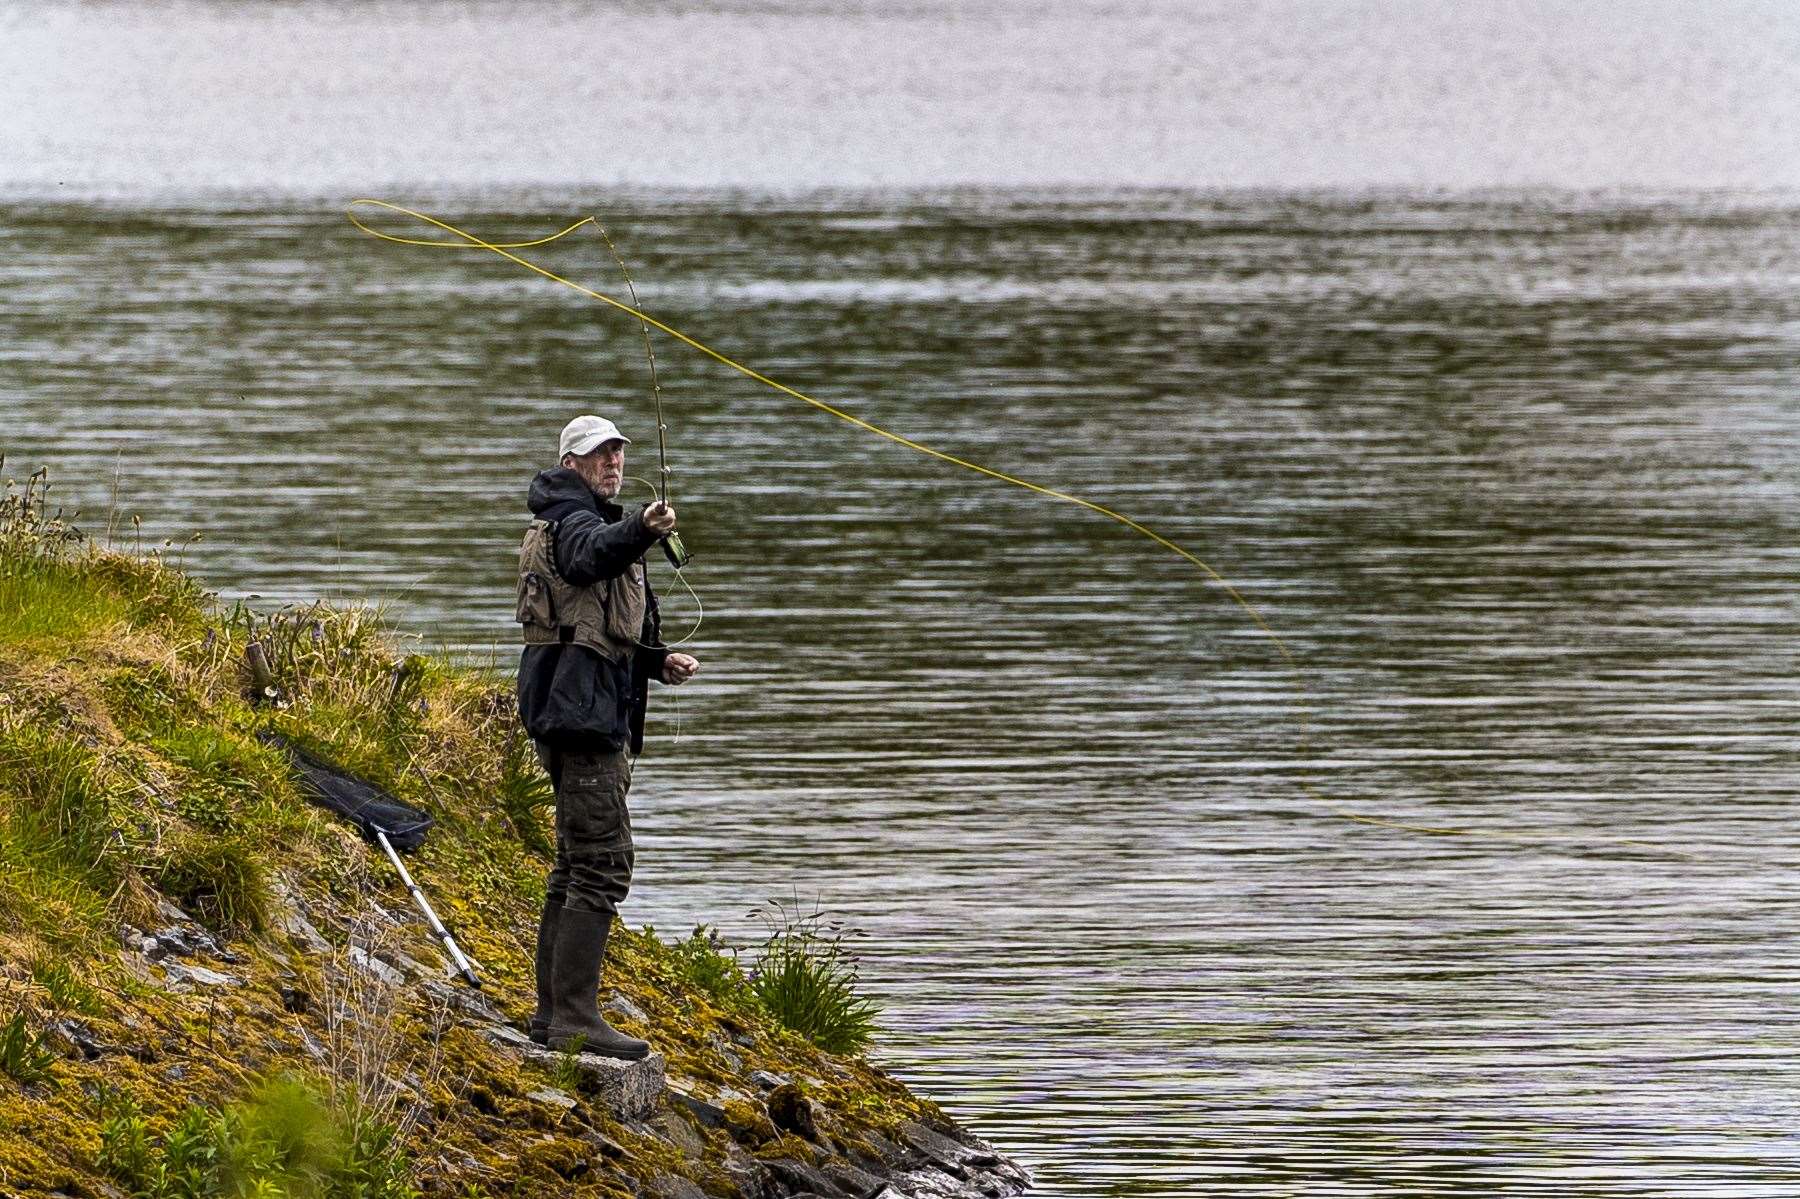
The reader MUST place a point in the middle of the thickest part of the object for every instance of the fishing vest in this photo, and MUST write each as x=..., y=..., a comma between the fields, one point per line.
x=607, y=617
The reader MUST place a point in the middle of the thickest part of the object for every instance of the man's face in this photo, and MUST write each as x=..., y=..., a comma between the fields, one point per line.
x=603, y=470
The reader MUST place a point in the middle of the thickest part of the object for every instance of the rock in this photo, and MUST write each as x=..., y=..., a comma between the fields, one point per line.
x=174, y=941
x=76, y=1039
x=622, y=1007
x=506, y=1036
x=674, y=1128
x=890, y=1153
x=958, y=1168
x=790, y=1111
x=727, y=1054
x=374, y=965
x=951, y=1154
x=179, y=974
x=796, y=1176
x=766, y=1080
x=296, y=1001
x=673, y=1186
x=417, y=969
x=301, y=932
x=855, y=1181
x=291, y=918
x=554, y=1098
x=708, y=1113
x=886, y=1190
x=745, y=1176
x=630, y=1090
x=466, y=1000
x=604, y=1145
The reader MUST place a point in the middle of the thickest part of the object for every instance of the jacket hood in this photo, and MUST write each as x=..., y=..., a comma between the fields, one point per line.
x=560, y=487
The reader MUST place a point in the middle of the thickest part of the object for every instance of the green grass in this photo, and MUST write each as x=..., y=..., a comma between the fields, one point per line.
x=806, y=978
x=525, y=793
x=61, y=817
x=24, y=1057
x=283, y=1139
x=223, y=881
x=57, y=590
x=705, y=962
x=51, y=604
x=68, y=991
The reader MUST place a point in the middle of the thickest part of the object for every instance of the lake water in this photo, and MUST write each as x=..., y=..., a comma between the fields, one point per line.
x=1512, y=478
x=1510, y=473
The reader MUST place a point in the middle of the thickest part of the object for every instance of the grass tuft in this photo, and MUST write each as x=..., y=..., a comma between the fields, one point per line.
x=806, y=977
x=57, y=589
x=24, y=1056
x=221, y=879
x=525, y=792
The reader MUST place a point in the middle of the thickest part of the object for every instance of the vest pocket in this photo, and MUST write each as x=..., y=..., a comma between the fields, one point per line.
x=535, y=606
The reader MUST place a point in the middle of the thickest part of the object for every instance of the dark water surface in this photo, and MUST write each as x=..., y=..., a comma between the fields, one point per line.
x=1513, y=478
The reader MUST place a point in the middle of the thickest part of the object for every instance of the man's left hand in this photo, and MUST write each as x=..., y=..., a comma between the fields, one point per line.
x=679, y=668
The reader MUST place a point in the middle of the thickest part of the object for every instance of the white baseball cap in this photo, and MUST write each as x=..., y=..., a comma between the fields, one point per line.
x=583, y=434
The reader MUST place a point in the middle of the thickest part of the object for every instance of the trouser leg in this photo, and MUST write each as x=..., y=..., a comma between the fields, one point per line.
x=594, y=854
x=592, y=876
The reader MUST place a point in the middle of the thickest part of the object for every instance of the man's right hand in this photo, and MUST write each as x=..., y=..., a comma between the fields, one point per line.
x=659, y=518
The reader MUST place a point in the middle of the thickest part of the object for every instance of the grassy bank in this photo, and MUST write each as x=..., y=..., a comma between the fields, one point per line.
x=209, y=986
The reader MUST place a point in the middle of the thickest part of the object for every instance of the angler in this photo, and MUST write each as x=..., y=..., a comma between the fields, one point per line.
x=592, y=644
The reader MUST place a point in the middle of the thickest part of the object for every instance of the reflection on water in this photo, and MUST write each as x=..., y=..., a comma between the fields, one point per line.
x=1513, y=479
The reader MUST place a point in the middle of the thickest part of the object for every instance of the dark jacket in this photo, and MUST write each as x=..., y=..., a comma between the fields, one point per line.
x=569, y=696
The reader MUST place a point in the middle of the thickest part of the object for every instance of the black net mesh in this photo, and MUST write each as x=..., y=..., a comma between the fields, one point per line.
x=361, y=802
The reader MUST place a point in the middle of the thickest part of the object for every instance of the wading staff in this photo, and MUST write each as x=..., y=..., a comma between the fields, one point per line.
x=463, y=965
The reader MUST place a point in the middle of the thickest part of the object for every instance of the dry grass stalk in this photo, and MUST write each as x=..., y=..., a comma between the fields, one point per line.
x=375, y=1070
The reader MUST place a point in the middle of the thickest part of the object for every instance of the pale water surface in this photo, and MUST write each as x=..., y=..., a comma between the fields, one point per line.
x=176, y=95
x=1512, y=476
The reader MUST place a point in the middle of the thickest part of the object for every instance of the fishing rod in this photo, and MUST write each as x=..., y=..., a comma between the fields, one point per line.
x=674, y=549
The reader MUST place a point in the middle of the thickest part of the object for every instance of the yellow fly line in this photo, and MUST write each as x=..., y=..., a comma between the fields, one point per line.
x=469, y=241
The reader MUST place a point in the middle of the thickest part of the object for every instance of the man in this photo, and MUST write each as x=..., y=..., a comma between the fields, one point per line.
x=592, y=644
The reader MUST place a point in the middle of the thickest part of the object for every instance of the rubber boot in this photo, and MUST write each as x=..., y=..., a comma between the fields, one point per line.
x=575, y=989
x=546, y=955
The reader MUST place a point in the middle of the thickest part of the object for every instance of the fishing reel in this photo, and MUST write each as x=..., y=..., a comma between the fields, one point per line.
x=675, y=550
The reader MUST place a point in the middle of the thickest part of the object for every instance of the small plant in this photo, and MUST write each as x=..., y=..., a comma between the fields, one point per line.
x=566, y=1074
x=705, y=962
x=283, y=1139
x=806, y=977
x=23, y=1054
x=125, y=1151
